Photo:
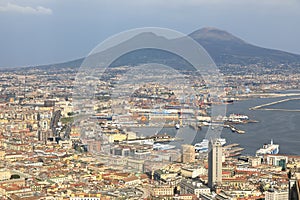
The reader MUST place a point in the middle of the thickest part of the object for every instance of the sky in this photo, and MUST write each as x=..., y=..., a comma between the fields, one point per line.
x=37, y=32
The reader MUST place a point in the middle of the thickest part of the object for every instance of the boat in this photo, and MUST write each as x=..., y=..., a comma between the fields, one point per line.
x=268, y=149
x=206, y=123
x=202, y=147
x=177, y=126
x=222, y=141
x=237, y=117
x=233, y=129
x=228, y=101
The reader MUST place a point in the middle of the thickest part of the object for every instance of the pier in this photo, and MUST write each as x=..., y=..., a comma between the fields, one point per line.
x=231, y=146
x=261, y=107
x=234, y=129
x=232, y=150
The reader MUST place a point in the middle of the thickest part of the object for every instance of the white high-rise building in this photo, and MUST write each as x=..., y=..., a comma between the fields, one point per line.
x=214, y=163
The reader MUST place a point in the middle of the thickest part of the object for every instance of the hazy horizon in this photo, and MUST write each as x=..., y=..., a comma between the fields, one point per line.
x=44, y=32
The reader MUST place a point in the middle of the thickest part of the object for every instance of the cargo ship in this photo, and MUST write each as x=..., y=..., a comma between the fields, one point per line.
x=268, y=149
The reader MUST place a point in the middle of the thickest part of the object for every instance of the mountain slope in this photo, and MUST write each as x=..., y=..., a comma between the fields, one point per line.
x=222, y=46
x=228, y=49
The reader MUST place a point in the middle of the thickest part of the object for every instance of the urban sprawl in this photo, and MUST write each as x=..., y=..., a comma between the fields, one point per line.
x=59, y=144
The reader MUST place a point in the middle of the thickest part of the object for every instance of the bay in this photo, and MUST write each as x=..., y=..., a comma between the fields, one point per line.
x=282, y=127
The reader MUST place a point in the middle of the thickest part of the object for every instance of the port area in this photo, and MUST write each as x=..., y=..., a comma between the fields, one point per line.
x=232, y=150
x=157, y=138
x=229, y=125
x=197, y=124
x=263, y=106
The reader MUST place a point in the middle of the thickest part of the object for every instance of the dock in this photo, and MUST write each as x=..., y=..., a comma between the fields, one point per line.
x=234, y=129
x=231, y=146
x=236, y=150
x=232, y=150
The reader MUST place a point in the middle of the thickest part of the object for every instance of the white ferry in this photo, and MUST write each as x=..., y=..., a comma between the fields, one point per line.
x=268, y=149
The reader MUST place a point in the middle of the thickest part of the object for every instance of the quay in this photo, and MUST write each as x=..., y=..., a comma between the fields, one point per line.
x=234, y=129
x=231, y=146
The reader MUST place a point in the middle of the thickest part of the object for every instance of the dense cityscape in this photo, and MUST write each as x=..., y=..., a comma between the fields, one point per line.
x=49, y=151
x=149, y=100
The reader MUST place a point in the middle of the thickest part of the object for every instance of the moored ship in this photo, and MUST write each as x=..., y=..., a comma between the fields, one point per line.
x=268, y=149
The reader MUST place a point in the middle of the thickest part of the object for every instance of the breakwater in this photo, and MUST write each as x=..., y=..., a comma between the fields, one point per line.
x=263, y=106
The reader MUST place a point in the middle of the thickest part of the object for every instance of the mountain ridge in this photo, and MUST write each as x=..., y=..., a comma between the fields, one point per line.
x=214, y=33
x=230, y=49
x=222, y=46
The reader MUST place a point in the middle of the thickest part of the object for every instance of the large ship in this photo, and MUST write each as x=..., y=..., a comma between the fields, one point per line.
x=202, y=147
x=268, y=149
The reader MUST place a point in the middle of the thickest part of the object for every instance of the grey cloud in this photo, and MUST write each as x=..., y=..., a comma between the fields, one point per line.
x=9, y=7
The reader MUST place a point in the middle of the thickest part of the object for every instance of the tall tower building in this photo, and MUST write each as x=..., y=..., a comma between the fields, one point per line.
x=214, y=163
x=188, y=153
x=294, y=185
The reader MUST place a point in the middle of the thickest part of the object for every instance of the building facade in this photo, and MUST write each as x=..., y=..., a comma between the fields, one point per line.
x=276, y=195
x=188, y=153
x=214, y=163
